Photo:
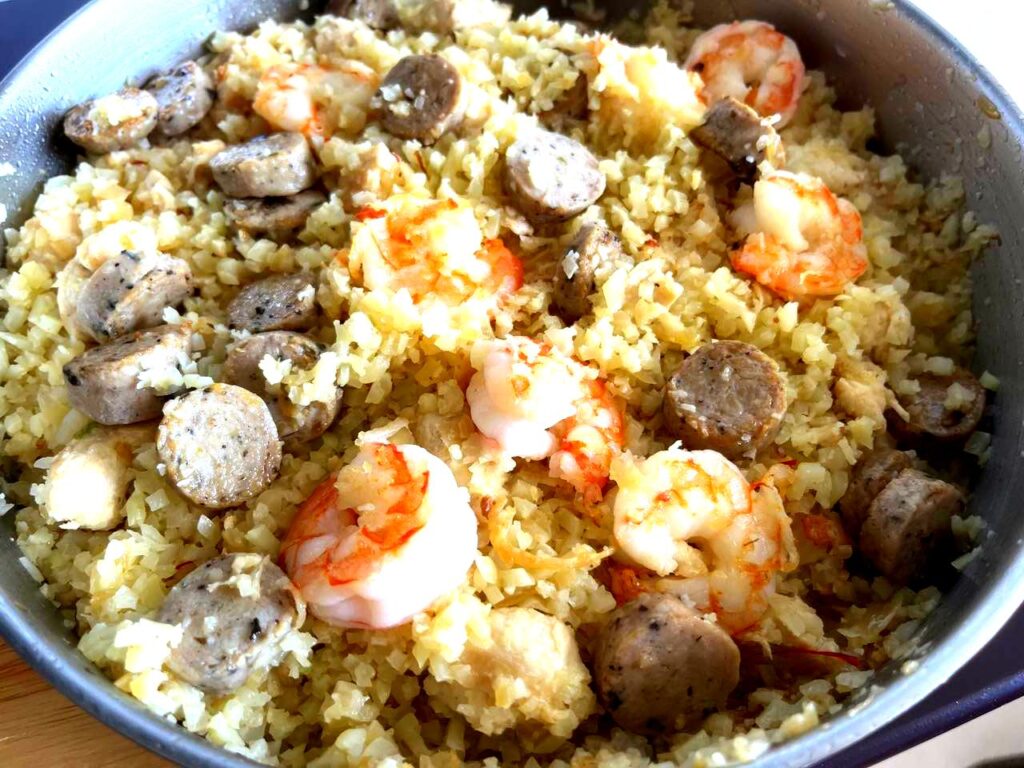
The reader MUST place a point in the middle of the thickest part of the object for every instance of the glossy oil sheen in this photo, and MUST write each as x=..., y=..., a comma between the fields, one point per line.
x=931, y=100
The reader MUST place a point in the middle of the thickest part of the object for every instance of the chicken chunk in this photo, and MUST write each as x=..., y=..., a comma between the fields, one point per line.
x=528, y=674
x=99, y=463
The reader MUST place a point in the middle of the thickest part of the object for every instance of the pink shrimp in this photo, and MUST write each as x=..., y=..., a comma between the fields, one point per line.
x=691, y=518
x=298, y=97
x=382, y=539
x=809, y=243
x=588, y=441
x=539, y=404
x=430, y=248
x=752, y=62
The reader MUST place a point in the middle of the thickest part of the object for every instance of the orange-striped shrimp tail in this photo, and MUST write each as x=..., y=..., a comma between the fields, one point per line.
x=589, y=441
x=506, y=267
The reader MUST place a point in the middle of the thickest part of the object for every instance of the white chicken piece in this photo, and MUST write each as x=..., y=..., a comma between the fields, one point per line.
x=87, y=483
x=527, y=674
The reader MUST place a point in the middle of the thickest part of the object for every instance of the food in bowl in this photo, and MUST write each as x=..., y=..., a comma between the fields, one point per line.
x=423, y=385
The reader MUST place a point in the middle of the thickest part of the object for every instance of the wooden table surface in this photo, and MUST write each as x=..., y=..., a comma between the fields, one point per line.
x=39, y=728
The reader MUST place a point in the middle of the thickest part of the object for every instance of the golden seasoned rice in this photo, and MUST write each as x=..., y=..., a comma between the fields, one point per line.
x=427, y=693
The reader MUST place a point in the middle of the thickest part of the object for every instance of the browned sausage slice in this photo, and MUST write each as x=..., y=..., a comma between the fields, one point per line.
x=278, y=303
x=118, y=121
x=420, y=98
x=295, y=423
x=947, y=408
x=593, y=246
x=234, y=611
x=870, y=476
x=103, y=381
x=185, y=95
x=739, y=136
x=220, y=445
x=272, y=214
x=130, y=292
x=659, y=665
x=268, y=166
x=728, y=397
x=908, y=525
x=552, y=177
x=378, y=14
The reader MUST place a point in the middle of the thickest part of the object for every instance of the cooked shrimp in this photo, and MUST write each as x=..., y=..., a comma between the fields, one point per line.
x=428, y=248
x=299, y=97
x=692, y=518
x=809, y=242
x=536, y=404
x=588, y=441
x=382, y=539
x=752, y=62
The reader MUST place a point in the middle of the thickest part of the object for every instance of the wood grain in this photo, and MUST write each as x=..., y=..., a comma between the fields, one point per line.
x=39, y=728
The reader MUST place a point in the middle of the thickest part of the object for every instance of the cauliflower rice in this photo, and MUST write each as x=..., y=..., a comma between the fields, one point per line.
x=435, y=692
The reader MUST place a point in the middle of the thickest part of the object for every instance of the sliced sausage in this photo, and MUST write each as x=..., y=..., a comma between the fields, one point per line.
x=908, y=531
x=278, y=303
x=235, y=610
x=103, y=381
x=552, y=177
x=871, y=475
x=377, y=14
x=295, y=423
x=118, y=121
x=738, y=135
x=130, y=292
x=268, y=166
x=100, y=462
x=272, y=214
x=593, y=246
x=947, y=408
x=420, y=98
x=184, y=94
x=659, y=665
x=728, y=397
x=220, y=445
